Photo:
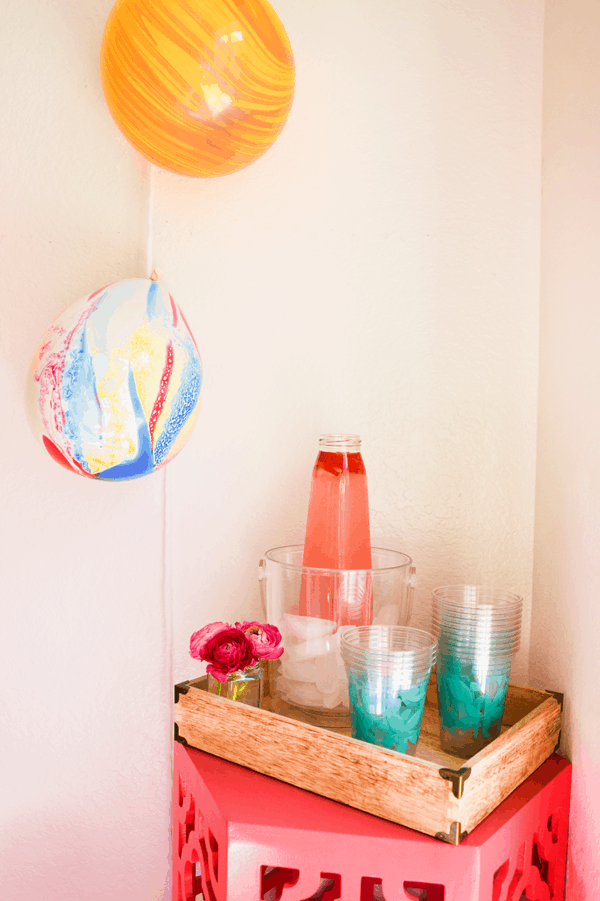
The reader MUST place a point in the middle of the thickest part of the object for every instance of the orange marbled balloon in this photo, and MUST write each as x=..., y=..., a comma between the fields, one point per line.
x=199, y=87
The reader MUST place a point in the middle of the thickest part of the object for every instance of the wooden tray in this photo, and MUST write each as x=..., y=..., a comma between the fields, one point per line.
x=433, y=792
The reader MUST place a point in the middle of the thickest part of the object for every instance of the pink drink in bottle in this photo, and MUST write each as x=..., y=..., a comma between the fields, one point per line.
x=338, y=535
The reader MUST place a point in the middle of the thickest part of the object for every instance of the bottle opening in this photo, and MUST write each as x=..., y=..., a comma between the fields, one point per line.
x=349, y=444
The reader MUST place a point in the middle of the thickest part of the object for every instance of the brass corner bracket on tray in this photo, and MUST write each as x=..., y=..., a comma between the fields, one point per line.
x=178, y=737
x=457, y=778
x=181, y=689
x=454, y=837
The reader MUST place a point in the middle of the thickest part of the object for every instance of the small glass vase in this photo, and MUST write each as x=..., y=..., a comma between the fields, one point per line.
x=244, y=686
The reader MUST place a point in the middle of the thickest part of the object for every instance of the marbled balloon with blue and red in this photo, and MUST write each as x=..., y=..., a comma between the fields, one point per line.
x=114, y=385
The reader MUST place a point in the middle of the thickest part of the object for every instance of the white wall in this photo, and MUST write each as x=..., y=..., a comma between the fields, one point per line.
x=84, y=704
x=377, y=270
x=566, y=612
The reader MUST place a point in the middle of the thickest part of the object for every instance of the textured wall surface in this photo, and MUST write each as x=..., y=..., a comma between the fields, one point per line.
x=566, y=612
x=376, y=271
x=84, y=706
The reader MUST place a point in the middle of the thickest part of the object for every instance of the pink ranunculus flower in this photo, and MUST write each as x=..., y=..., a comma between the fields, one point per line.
x=199, y=639
x=227, y=651
x=264, y=638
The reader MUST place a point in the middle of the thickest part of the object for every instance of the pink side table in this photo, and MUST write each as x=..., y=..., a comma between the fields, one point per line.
x=242, y=836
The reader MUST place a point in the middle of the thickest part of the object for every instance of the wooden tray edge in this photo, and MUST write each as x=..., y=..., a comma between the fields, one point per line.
x=508, y=761
x=459, y=805
x=378, y=781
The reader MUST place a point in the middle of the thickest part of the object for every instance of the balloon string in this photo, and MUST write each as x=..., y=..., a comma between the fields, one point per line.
x=168, y=598
x=150, y=231
x=168, y=659
x=154, y=273
x=167, y=592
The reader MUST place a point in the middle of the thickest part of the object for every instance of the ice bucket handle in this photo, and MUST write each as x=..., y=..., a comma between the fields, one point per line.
x=262, y=583
x=412, y=583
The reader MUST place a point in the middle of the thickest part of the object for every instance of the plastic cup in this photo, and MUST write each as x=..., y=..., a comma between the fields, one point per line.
x=482, y=623
x=464, y=625
x=388, y=669
x=508, y=644
x=482, y=620
x=471, y=698
x=478, y=630
x=477, y=596
x=311, y=674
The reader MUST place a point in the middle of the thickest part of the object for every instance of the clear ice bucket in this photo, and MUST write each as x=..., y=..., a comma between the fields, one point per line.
x=311, y=674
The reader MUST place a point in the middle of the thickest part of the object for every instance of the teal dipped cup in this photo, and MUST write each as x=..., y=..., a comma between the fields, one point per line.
x=471, y=700
x=388, y=669
x=478, y=630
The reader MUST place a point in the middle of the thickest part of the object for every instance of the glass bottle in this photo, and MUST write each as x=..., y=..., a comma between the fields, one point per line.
x=338, y=536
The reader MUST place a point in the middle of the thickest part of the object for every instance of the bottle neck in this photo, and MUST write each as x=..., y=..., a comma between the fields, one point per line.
x=346, y=444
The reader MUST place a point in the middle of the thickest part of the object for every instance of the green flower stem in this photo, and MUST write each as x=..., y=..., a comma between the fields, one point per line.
x=239, y=689
x=236, y=684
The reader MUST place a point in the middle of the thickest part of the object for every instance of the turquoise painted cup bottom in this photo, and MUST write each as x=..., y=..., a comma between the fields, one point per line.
x=471, y=700
x=386, y=710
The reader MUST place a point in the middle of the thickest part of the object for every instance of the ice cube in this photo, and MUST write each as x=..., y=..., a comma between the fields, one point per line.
x=310, y=695
x=309, y=627
x=298, y=670
x=306, y=650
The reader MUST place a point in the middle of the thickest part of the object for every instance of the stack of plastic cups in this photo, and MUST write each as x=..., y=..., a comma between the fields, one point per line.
x=479, y=630
x=388, y=669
